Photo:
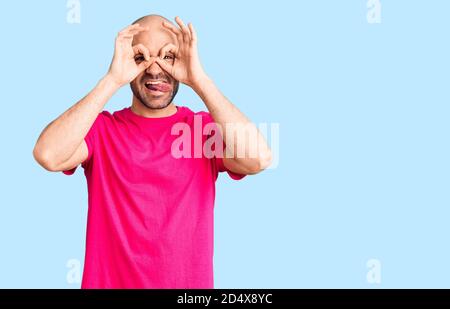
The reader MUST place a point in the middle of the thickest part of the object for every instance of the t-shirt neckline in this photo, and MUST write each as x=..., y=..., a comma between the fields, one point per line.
x=153, y=120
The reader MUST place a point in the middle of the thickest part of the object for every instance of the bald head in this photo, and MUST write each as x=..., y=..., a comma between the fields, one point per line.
x=152, y=18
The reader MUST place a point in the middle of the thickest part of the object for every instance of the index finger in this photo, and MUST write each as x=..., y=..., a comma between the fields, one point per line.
x=141, y=49
x=136, y=28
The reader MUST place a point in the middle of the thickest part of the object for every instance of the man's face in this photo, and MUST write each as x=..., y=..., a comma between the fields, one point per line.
x=154, y=87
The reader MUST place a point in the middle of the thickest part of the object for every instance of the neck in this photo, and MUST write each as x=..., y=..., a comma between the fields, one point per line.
x=141, y=110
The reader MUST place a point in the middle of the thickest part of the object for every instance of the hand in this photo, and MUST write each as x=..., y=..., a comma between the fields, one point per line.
x=123, y=67
x=186, y=67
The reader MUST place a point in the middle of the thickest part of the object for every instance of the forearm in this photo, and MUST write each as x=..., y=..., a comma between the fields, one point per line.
x=237, y=130
x=61, y=138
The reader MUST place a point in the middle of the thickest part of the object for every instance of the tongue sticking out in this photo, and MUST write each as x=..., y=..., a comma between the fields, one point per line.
x=164, y=87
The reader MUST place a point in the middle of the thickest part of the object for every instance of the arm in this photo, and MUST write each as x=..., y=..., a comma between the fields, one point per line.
x=238, y=133
x=236, y=126
x=61, y=145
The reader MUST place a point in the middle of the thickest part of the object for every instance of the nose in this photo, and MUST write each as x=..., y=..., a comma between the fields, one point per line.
x=154, y=68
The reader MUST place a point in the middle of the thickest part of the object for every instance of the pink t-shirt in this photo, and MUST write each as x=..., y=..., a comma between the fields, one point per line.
x=150, y=215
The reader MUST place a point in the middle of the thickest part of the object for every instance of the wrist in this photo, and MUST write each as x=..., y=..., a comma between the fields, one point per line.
x=200, y=83
x=108, y=84
x=112, y=82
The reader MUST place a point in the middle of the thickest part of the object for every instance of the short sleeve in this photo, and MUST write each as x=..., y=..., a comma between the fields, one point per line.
x=221, y=168
x=90, y=140
x=218, y=160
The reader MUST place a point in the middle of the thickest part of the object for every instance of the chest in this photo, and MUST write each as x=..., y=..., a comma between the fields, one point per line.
x=132, y=156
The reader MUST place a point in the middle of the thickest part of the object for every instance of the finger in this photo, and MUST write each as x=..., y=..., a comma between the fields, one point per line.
x=132, y=30
x=128, y=38
x=131, y=27
x=164, y=65
x=141, y=49
x=135, y=26
x=185, y=30
x=144, y=65
x=174, y=30
x=182, y=25
x=171, y=27
x=193, y=33
x=168, y=47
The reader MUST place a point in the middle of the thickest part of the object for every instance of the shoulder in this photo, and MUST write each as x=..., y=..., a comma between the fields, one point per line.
x=191, y=115
x=108, y=117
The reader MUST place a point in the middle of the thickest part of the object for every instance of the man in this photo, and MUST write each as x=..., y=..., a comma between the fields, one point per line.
x=150, y=214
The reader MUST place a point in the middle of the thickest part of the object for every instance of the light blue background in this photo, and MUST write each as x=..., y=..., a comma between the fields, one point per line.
x=364, y=128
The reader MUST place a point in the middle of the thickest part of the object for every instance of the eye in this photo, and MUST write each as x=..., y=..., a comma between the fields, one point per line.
x=139, y=58
x=170, y=57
